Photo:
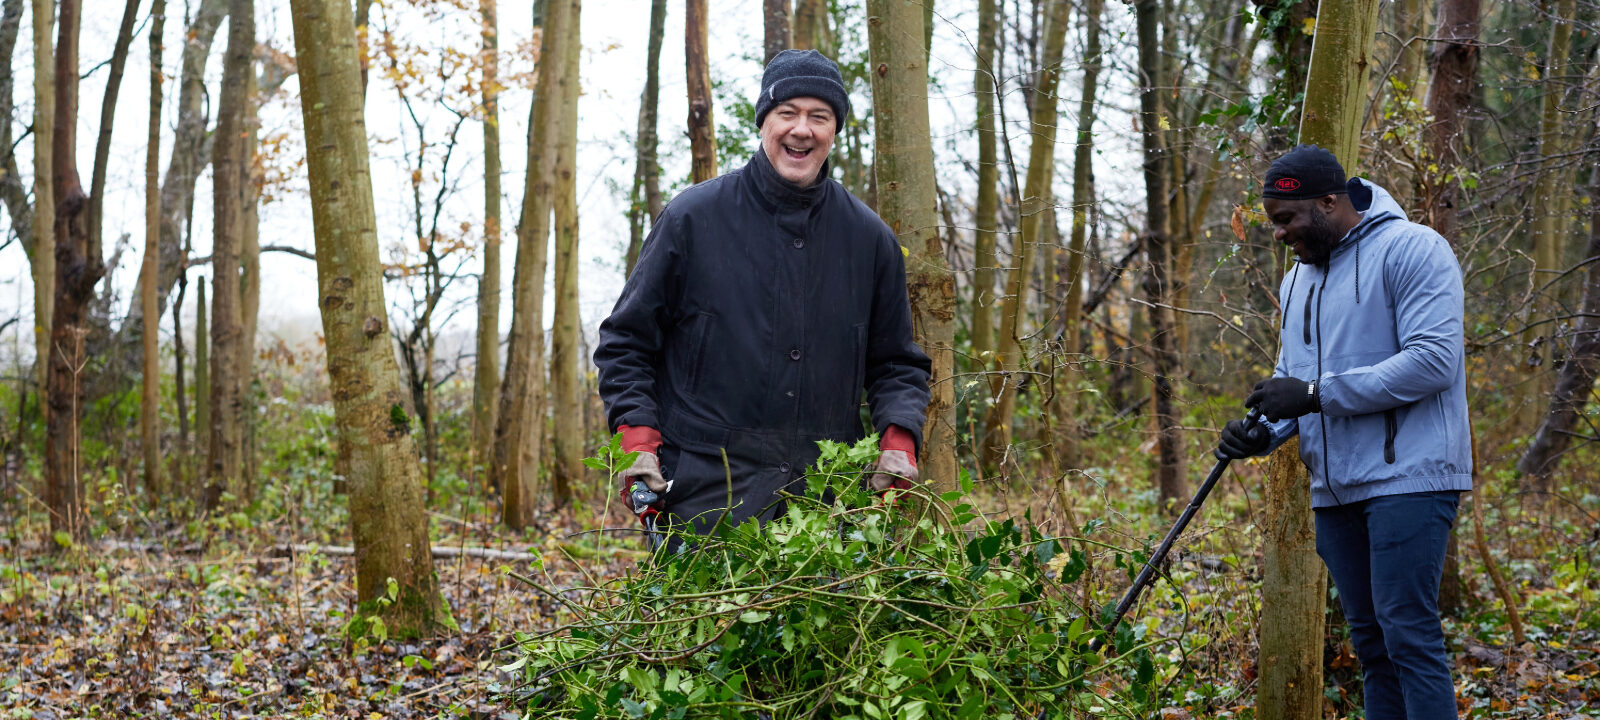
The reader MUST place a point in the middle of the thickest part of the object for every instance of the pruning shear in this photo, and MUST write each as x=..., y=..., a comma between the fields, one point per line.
x=644, y=505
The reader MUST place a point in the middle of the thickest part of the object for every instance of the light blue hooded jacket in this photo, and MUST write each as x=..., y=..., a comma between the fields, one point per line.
x=1380, y=330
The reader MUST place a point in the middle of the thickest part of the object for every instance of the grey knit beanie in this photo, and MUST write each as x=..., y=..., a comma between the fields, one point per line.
x=802, y=73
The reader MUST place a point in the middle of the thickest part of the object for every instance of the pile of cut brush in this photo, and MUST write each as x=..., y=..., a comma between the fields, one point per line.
x=840, y=609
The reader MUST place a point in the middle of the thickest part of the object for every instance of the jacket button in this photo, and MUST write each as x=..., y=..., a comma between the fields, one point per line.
x=799, y=243
x=783, y=468
x=794, y=354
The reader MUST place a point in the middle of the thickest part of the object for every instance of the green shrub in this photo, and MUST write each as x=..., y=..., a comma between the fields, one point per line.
x=841, y=609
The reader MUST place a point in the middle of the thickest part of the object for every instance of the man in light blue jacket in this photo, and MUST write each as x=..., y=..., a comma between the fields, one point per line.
x=1371, y=376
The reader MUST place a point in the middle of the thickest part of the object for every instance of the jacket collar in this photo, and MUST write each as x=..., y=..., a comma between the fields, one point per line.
x=780, y=194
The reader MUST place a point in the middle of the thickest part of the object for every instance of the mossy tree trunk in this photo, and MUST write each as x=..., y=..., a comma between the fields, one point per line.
x=389, y=524
x=1293, y=585
x=486, y=374
x=1037, y=197
x=566, y=357
x=903, y=165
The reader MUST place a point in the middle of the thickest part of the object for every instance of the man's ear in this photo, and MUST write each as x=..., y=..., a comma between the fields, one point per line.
x=1328, y=204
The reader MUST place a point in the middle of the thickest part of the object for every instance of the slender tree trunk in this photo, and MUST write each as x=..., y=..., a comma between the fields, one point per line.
x=13, y=194
x=565, y=353
x=364, y=39
x=903, y=165
x=647, y=173
x=202, y=362
x=108, y=112
x=190, y=155
x=388, y=521
x=229, y=171
x=180, y=390
x=1552, y=195
x=44, y=202
x=702, y=127
x=252, y=178
x=983, y=261
x=150, y=407
x=1454, y=63
x=775, y=27
x=1066, y=405
x=486, y=376
x=1156, y=241
x=1293, y=585
x=518, y=447
x=1037, y=197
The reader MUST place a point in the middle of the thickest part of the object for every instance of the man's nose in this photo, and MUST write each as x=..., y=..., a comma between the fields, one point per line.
x=1278, y=232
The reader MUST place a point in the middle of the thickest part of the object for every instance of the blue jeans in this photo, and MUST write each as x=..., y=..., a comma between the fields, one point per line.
x=1386, y=556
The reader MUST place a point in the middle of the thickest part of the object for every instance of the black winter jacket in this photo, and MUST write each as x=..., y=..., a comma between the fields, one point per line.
x=756, y=315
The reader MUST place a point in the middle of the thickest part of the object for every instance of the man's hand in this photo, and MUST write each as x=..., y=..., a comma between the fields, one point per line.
x=1238, y=442
x=646, y=468
x=894, y=470
x=1282, y=398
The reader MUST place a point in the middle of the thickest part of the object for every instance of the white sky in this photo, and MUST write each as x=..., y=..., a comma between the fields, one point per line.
x=614, y=38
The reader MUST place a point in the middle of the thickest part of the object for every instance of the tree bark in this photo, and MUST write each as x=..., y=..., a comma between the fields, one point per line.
x=518, y=444
x=1036, y=198
x=150, y=407
x=1454, y=64
x=566, y=356
x=44, y=196
x=229, y=172
x=702, y=127
x=12, y=192
x=1066, y=404
x=647, y=172
x=983, y=261
x=811, y=29
x=1552, y=195
x=1336, y=82
x=202, y=362
x=108, y=112
x=388, y=521
x=1293, y=588
x=253, y=177
x=486, y=375
x=904, y=168
x=1156, y=239
x=776, y=34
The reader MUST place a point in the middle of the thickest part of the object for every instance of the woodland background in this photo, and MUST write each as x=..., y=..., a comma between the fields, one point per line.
x=214, y=504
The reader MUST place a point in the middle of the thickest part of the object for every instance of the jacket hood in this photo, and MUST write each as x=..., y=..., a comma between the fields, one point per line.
x=1376, y=206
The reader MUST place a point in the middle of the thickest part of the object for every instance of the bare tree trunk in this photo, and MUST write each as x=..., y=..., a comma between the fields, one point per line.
x=388, y=521
x=249, y=279
x=1158, y=284
x=702, y=128
x=79, y=267
x=1454, y=62
x=202, y=362
x=1036, y=197
x=1293, y=588
x=1066, y=404
x=1552, y=195
x=566, y=470
x=518, y=445
x=486, y=375
x=647, y=172
x=150, y=407
x=12, y=191
x=811, y=29
x=364, y=39
x=983, y=261
x=44, y=196
x=903, y=165
x=775, y=27
x=108, y=113
x=180, y=390
x=1336, y=82
x=229, y=171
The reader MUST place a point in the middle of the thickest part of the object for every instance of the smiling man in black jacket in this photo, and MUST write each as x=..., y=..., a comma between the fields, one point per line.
x=764, y=303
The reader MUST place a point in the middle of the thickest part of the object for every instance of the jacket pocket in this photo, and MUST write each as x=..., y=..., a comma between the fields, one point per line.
x=692, y=350
x=1391, y=427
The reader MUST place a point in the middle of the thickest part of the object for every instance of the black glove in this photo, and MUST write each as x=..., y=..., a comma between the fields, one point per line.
x=1238, y=443
x=1282, y=398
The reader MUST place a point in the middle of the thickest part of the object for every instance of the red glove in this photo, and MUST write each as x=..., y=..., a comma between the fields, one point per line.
x=646, y=468
x=896, y=467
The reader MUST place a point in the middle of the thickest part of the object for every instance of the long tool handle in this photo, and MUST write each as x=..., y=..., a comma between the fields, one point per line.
x=1147, y=574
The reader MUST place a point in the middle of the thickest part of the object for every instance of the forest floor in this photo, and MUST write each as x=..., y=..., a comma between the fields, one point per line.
x=216, y=619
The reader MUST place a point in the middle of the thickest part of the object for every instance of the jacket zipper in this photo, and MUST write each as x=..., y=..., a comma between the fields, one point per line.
x=1390, y=428
x=1305, y=325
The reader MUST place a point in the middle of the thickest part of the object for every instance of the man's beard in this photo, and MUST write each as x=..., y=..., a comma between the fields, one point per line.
x=1320, y=240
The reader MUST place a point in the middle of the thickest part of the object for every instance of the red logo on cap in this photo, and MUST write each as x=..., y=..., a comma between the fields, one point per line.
x=1287, y=184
